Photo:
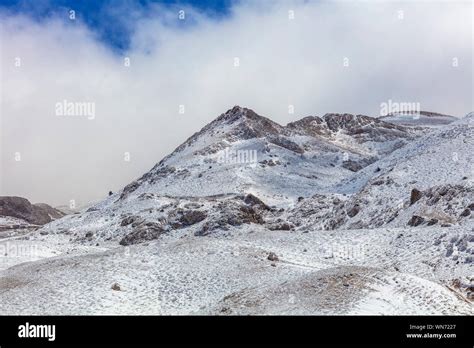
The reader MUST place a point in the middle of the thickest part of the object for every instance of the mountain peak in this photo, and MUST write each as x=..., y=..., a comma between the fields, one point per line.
x=237, y=123
x=240, y=123
x=233, y=114
x=243, y=123
x=240, y=113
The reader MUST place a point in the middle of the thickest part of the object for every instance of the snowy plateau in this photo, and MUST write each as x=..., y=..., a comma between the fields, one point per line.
x=334, y=215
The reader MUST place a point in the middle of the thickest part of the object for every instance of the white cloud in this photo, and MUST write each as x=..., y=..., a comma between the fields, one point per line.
x=282, y=62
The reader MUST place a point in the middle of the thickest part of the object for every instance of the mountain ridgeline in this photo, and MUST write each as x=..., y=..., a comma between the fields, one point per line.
x=338, y=171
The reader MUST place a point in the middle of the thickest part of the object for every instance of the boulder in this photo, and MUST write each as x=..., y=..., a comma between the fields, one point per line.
x=415, y=196
x=466, y=212
x=272, y=257
x=191, y=217
x=353, y=211
x=252, y=200
x=416, y=220
x=144, y=232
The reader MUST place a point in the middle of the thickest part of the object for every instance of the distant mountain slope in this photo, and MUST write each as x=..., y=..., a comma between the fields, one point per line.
x=421, y=119
x=21, y=208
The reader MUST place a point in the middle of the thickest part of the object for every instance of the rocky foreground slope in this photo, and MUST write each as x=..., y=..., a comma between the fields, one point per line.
x=337, y=214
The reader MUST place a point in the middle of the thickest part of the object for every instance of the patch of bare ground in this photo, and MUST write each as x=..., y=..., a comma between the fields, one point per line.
x=321, y=292
x=9, y=283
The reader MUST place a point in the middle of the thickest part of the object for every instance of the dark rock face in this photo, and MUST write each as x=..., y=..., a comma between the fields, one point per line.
x=284, y=226
x=129, y=220
x=143, y=232
x=21, y=208
x=310, y=125
x=355, y=166
x=415, y=196
x=360, y=126
x=248, y=215
x=446, y=193
x=231, y=213
x=416, y=221
x=191, y=217
x=54, y=213
x=182, y=218
x=354, y=211
x=129, y=189
x=286, y=143
x=252, y=200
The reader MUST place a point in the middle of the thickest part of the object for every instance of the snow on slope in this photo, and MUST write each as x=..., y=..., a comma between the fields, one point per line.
x=332, y=197
x=421, y=119
x=439, y=164
x=209, y=194
x=239, y=153
x=320, y=272
x=290, y=160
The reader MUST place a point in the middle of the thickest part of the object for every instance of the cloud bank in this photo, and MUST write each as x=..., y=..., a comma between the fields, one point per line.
x=318, y=57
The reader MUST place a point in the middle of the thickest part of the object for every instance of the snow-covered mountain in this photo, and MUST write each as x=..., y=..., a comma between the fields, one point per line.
x=247, y=207
x=240, y=155
x=241, y=151
x=331, y=172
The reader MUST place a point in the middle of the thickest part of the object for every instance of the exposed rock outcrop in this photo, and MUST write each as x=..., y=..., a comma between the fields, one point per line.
x=21, y=208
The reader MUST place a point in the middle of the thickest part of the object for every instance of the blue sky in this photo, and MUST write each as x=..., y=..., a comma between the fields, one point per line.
x=110, y=19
